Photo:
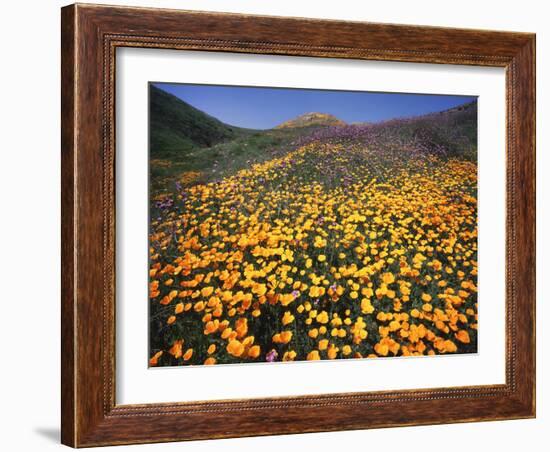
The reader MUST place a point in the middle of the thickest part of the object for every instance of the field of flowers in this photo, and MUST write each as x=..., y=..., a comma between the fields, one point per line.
x=360, y=242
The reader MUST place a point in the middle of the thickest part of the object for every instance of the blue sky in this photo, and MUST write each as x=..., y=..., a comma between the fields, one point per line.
x=264, y=108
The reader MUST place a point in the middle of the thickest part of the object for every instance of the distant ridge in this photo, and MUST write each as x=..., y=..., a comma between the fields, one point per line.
x=312, y=119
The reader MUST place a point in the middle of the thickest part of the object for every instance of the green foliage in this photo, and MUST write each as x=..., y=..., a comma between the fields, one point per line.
x=176, y=127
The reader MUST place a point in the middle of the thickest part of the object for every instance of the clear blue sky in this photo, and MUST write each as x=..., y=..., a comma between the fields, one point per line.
x=264, y=108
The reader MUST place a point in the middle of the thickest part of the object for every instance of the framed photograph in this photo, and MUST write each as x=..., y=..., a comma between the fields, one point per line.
x=282, y=225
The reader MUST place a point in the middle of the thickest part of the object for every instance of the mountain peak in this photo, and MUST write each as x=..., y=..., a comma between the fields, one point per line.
x=312, y=119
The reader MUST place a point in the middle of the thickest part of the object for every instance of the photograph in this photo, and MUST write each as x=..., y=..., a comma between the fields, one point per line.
x=292, y=224
x=275, y=226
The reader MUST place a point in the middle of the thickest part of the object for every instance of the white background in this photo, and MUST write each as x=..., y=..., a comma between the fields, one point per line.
x=137, y=384
x=29, y=267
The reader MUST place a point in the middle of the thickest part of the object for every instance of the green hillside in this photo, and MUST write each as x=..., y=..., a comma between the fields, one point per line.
x=176, y=127
x=188, y=146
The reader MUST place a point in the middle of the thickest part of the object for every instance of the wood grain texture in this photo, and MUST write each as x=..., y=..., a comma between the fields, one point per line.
x=67, y=226
x=90, y=36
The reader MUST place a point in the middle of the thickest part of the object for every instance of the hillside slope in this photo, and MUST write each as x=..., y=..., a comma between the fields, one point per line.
x=360, y=243
x=189, y=147
x=176, y=127
x=449, y=133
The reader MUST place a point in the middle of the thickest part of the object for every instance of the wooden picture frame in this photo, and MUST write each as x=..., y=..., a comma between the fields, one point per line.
x=90, y=36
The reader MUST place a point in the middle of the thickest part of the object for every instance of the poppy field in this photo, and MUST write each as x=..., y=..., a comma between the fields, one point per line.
x=342, y=242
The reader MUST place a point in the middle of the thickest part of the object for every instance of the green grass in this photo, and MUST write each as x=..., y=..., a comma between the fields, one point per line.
x=177, y=127
x=184, y=139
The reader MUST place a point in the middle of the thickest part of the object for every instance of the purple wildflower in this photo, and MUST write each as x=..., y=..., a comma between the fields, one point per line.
x=271, y=356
